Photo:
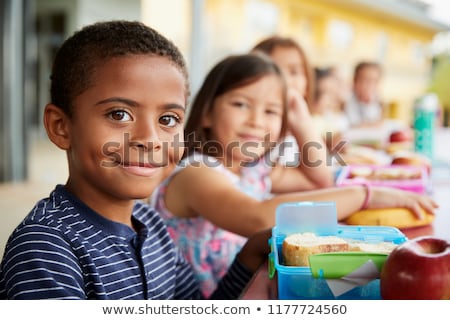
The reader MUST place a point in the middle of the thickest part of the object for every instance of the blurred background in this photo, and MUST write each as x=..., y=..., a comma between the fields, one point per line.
x=409, y=38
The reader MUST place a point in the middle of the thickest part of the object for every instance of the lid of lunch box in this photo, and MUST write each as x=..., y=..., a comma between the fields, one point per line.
x=298, y=217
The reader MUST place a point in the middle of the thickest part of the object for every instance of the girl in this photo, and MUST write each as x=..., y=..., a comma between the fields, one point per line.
x=222, y=190
x=291, y=59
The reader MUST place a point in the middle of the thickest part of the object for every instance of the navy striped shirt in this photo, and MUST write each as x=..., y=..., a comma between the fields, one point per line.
x=65, y=250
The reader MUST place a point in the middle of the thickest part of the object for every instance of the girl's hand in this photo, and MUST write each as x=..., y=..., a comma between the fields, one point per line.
x=298, y=112
x=394, y=198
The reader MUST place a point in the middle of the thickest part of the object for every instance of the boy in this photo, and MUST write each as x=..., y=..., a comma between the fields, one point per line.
x=118, y=98
x=364, y=107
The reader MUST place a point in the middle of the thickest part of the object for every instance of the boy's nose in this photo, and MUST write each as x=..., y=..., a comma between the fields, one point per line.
x=146, y=136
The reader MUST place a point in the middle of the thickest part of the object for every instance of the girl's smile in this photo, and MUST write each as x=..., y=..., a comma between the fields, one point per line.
x=250, y=137
x=242, y=119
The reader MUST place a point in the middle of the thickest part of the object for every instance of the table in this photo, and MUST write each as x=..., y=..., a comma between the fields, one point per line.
x=262, y=288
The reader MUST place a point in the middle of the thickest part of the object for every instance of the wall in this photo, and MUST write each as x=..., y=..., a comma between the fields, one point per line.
x=332, y=33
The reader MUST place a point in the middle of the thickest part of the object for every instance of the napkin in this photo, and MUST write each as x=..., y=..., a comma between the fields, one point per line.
x=359, y=277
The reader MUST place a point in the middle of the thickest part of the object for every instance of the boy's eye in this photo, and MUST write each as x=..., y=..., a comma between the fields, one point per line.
x=169, y=121
x=120, y=115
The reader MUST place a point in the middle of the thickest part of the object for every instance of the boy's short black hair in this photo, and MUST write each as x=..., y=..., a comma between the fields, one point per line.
x=86, y=49
x=365, y=64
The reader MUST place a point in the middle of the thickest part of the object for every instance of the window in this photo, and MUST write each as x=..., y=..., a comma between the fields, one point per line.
x=340, y=34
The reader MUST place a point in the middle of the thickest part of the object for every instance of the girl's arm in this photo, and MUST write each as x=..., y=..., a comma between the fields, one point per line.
x=203, y=191
x=312, y=172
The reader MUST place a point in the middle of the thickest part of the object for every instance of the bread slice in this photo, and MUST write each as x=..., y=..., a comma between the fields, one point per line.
x=379, y=247
x=297, y=247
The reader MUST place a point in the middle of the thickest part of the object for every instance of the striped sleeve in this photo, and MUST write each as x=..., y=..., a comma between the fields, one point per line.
x=186, y=284
x=40, y=264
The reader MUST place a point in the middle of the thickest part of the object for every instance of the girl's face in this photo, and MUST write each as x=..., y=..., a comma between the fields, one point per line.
x=125, y=129
x=247, y=120
x=292, y=65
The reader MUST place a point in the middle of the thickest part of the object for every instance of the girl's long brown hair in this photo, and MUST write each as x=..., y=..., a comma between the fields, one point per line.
x=269, y=44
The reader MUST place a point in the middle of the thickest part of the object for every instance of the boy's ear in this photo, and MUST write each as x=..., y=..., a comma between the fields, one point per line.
x=57, y=125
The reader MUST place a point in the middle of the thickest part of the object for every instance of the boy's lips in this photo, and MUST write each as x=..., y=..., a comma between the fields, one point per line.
x=140, y=169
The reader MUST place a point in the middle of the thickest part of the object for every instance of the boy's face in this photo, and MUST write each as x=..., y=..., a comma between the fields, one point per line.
x=126, y=132
x=366, y=84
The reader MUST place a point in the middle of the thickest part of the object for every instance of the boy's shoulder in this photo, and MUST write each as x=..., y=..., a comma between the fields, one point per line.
x=49, y=222
x=51, y=210
x=64, y=218
x=63, y=210
x=51, y=215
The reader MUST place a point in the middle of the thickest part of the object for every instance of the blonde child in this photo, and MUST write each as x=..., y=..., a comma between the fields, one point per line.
x=118, y=97
x=222, y=191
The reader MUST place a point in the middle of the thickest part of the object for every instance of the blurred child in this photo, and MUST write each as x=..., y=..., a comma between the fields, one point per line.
x=222, y=191
x=364, y=107
x=291, y=59
x=326, y=107
x=118, y=97
x=343, y=89
x=293, y=62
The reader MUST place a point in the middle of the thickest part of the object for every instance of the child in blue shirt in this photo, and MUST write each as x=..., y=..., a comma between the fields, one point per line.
x=118, y=99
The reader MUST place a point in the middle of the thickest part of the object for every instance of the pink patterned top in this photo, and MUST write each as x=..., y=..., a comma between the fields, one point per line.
x=208, y=248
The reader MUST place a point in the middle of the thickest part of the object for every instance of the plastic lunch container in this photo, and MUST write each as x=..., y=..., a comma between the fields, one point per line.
x=418, y=184
x=320, y=218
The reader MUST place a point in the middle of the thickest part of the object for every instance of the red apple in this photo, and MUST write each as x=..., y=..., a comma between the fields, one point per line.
x=417, y=269
x=411, y=159
x=404, y=135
